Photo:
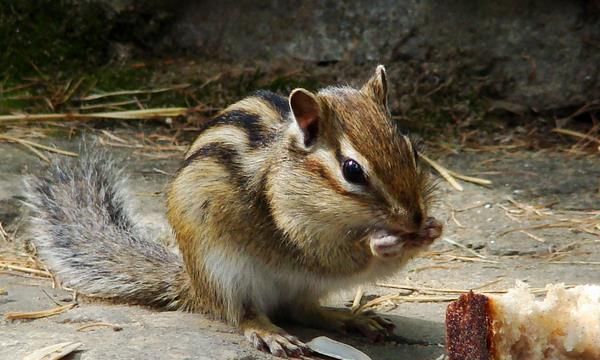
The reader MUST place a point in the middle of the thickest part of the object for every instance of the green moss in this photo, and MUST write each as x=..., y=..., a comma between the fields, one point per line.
x=40, y=35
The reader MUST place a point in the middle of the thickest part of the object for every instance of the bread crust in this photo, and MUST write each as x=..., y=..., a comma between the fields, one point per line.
x=469, y=332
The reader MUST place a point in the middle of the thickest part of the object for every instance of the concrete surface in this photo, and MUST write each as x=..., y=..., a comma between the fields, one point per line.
x=570, y=184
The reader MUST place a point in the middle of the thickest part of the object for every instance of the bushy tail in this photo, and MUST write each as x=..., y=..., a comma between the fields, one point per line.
x=84, y=231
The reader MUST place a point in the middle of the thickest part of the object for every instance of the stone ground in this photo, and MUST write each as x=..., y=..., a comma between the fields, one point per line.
x=530, y=189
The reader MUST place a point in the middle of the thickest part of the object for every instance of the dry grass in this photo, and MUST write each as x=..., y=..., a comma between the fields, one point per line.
x=424, y=294
x=459, y=245
x=18, y=263
x=87, y=327
x=173, y=139
x=143, y=114
x=540, y=217
x=77, y=101
x=30, y=315
x=539, y=223
x=132, y=92
x=81, y=100
x=33, y=146
x=578, y=134
x=443, y=172
x=357, y=298
x=24, y=269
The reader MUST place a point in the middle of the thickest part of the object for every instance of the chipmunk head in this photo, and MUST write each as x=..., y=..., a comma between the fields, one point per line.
x=351, y=174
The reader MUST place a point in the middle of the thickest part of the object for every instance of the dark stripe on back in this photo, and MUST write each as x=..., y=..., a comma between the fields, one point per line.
x=257, y=135
x=254, y=194
x=279, y=102
x=225, y=155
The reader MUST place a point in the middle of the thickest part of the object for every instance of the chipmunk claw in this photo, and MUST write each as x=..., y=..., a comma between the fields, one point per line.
x=280, y=343
x=368, y=324
x=385, y=323
x=371, y=326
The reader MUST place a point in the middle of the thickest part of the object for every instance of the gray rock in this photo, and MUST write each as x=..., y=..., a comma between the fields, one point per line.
x=545, y=52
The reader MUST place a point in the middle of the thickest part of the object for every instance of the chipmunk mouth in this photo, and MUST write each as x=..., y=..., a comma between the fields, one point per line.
x=386, y=243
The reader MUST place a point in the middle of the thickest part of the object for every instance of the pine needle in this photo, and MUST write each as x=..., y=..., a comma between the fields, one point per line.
x=30, y=145
x=100, y=324
x=575, y=262
x=121, y=115
x=472, y=259
x=443, y=172
x=471, y=179
x=18, y=315
x=27, y=270
x=35, y=151
x=357, y=298
x=576, y=134
x=429, y=294
x=133, y=92
x=471, y=251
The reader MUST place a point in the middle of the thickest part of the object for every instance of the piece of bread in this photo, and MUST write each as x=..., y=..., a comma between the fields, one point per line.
x=517, y=326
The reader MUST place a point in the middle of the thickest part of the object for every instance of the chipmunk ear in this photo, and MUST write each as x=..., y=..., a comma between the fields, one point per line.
x=307, y=112
x=377, y=87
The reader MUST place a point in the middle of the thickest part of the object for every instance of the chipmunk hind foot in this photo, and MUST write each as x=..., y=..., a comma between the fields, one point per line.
x=266, y=336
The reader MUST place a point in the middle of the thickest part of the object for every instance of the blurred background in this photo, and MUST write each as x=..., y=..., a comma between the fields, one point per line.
x=456, y=63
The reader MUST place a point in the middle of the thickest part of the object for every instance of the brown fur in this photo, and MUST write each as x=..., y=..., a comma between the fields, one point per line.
x=266, y=222
x=262, y=226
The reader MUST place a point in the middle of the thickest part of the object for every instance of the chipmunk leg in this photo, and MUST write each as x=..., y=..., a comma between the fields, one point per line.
x=265, y=336
x=368, y=324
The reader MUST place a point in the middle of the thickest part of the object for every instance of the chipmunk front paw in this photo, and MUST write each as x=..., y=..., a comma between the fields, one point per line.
x=368, y=324
x=387, y=243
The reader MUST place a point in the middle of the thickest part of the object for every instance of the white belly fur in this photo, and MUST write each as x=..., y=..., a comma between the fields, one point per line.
x=244, y=280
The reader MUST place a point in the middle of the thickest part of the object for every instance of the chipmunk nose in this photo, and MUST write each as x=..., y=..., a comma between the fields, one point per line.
x=417, y=219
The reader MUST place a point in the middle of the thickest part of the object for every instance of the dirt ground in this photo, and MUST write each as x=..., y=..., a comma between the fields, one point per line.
x=539, y=223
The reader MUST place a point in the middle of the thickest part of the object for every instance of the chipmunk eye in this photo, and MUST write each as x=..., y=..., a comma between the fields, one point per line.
x=353, y=172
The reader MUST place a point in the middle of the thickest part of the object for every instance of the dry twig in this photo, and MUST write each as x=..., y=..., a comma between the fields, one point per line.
x=143, y=114
x=443, y=172
x=574, y=262
x=470, y=251
x=23, y=269
x=133, y=92
x=576, y=134
x=357, y=299
x=31, y=145
x=100, y=324
x=471, y=259
x=429, y=294
x=18, y=315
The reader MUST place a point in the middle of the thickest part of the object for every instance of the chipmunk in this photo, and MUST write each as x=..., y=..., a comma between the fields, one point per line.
x=278, y=203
